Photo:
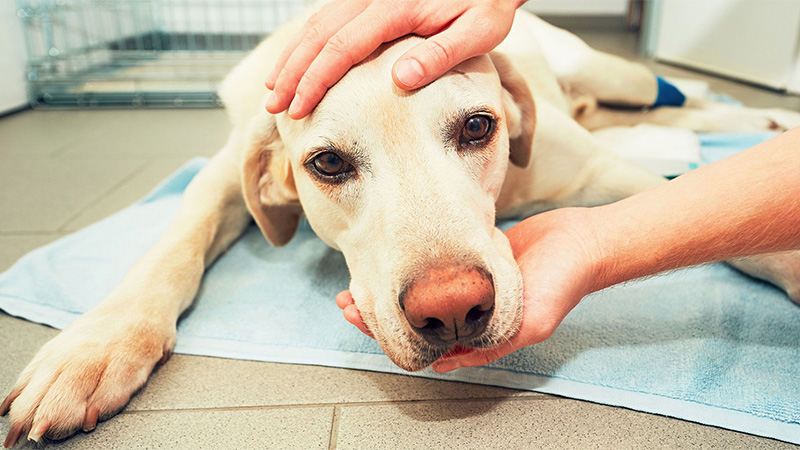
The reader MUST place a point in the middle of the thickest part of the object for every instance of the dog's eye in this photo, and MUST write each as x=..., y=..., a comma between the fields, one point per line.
x=476, y=128
x=330, y=164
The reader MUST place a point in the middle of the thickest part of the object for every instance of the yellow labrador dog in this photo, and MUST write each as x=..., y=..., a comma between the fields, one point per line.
x=406, y=184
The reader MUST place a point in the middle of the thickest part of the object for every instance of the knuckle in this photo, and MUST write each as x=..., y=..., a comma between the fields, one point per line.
x=315, y=33
x=440, y=53
x=314, y=19
x=339, y=46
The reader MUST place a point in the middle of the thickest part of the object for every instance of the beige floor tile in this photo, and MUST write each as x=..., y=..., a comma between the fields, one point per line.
x=128, y=192
x=20, y=341
x=199, y=382
x=42, y=195
x=291, y=428
x=44, y=133
x=550, y=422
x=14, y=246
x=156, y=133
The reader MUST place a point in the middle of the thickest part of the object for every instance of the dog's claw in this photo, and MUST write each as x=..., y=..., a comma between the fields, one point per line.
x=6, y=405
x=165, y=356
x=90, y=422
x=13, y=436
x=38, y=431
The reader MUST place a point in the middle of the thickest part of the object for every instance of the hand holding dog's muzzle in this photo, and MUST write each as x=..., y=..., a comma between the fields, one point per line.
x=553, y=252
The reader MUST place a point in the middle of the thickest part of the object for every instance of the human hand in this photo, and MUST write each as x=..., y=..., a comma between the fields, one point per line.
x=560, y=262
x=343, y=33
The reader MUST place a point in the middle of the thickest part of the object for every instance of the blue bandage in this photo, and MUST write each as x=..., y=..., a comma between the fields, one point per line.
x=668, y=95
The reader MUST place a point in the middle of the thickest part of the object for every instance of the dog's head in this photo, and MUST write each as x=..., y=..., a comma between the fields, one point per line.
x=404, y=184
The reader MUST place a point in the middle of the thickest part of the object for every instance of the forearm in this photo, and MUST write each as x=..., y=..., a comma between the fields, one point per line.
x=743, y=205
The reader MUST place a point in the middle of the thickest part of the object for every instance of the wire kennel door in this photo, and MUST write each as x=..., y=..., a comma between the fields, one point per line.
x=140, y=53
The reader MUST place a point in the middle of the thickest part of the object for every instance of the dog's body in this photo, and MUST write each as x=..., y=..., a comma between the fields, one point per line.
x=414, y=149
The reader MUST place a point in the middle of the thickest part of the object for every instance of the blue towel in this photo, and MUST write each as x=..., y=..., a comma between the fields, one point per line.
x=704, y=344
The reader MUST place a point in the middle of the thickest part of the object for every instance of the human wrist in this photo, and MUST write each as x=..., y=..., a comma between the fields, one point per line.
x=586, y=226
x=603, y=248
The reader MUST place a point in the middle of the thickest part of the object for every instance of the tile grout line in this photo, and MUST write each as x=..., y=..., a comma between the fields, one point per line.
x=527, y=398
x=64, y=227
x=334, y=436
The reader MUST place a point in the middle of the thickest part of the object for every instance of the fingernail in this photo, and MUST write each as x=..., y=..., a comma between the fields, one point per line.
x=294, y=107
x=409, y=72
x=271, y=100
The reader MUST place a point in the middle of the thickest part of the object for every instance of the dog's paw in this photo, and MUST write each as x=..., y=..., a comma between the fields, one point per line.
x=781, y=269
x=782, y=119
x=723, y=117
x=85, y=374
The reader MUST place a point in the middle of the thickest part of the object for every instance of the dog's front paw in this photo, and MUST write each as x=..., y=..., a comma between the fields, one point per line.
x=85, y=374
x=781, y=269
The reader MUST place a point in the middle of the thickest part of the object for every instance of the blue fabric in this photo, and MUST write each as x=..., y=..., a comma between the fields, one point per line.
x=668, y=94
x=716, y=146
x=705, y=344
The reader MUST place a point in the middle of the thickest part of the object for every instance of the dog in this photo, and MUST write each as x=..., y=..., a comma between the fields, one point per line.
x=408, y=185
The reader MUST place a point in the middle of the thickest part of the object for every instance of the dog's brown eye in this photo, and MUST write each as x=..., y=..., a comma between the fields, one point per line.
x=476, y=128
x=330, y=164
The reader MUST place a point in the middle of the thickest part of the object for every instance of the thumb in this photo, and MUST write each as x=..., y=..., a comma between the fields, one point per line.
x=439, y=53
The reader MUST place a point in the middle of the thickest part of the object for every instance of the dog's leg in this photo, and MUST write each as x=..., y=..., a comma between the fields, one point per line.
x=591, y=79
x=589, y=76
x=697, y=115
x=90, y=370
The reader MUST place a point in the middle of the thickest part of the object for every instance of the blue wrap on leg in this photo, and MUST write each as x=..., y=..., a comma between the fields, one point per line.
x=668, y=94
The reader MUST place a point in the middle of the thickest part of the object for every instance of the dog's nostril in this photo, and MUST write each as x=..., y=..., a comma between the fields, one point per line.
x=475, y=314
x=433, y=324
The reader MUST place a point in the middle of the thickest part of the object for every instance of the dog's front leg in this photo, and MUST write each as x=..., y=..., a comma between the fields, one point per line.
x=91, y=369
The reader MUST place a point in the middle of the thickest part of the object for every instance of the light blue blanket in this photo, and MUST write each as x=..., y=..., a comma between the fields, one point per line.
x=706, y=344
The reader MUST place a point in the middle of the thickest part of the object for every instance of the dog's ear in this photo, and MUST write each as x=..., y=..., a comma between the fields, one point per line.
x=519, y=110
x=268, y=182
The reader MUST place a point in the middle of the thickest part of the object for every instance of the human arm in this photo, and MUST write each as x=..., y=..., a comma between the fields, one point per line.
x=341, y=34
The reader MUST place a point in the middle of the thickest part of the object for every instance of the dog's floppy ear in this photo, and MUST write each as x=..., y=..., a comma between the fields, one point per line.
x=268, y=182
x=519, y=109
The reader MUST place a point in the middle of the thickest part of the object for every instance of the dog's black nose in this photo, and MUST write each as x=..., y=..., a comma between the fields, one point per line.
x=449, y=304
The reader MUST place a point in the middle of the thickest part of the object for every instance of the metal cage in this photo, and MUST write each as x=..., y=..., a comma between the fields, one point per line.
x=140, y=53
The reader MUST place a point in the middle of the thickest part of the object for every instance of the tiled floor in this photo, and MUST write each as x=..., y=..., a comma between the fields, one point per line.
x=61, y=170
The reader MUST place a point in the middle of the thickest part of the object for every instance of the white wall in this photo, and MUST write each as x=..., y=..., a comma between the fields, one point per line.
x=578, y=7
x=228, y=16
x=753, y=40
x=12, y=57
